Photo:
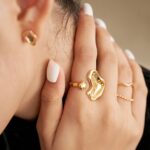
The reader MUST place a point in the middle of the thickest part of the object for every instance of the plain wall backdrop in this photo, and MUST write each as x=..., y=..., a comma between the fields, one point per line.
x=129, y=23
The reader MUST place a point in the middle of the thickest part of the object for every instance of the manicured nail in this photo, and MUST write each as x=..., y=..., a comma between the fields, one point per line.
x=112, y=39
x=129, y=54
x=101, y=23
x=53, y=71
x=87, y=8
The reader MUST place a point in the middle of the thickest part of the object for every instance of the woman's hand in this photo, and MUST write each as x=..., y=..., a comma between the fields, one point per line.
x=114, y=121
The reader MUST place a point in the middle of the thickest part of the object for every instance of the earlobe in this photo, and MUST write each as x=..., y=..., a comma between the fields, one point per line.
x=31, y=17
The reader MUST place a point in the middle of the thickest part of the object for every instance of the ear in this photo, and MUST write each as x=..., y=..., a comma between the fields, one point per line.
x=32, y=13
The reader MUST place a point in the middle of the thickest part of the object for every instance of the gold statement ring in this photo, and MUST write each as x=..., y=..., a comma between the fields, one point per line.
x=96, y=85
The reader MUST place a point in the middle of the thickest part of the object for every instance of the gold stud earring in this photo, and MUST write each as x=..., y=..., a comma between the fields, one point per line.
x=30, y=37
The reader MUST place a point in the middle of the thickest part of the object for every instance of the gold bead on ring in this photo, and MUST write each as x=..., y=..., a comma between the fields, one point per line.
x=80, y=85
x=125, y=98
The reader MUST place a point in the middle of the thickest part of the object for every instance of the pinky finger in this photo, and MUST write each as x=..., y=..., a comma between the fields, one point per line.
x=139, y=90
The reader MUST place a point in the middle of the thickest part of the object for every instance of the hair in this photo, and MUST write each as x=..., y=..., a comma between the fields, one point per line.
x=71, y=7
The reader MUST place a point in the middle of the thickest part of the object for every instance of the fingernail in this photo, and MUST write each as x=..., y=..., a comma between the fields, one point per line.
x=101, y=23
x=112, y=39
x=53, y=71
x=129, y=54
x=87, y=8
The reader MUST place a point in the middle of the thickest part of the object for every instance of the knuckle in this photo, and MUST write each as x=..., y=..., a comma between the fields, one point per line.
x=125, y=70
x=109, y=56
x=111, y=120
x=47, y=98
x=84, y=118
x=86, y=53
x=134, y=130
x=141, y=87
x=87, y=22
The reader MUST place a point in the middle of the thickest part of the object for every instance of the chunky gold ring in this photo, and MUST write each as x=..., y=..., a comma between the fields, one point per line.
x=96, y=85
x=130, y=84
x=125, y=98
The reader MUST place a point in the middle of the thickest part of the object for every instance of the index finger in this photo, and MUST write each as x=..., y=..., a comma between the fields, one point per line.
x=85, y=47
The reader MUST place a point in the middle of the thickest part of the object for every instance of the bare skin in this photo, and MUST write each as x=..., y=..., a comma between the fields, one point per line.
x=22, y=67
x=108, y=122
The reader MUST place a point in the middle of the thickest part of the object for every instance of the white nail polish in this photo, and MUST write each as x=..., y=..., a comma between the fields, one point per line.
x=112, y=39
x=129, y=54
x=101, y=23
x=53, y=71
x=87, y=8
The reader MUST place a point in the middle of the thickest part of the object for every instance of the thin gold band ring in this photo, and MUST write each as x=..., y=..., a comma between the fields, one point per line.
x=125, y=98
x=130, y=84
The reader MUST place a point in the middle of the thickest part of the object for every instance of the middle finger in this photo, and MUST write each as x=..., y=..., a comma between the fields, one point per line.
x=107, y=61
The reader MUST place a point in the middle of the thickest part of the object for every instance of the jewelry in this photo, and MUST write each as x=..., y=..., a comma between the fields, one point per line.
x=125, y=98
x=130, y=84
x=80, y=85
x=96, y=83
x=30, y=37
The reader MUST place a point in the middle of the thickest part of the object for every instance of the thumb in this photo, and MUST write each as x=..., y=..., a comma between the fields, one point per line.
x=51, y=104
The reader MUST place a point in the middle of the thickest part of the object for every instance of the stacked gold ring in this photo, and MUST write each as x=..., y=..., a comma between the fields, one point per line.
x=130, y=84
x=96, y=86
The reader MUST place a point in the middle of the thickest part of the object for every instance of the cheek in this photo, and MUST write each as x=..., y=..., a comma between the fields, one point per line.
x=16, y=66
x=15, y=60
x=9, y=29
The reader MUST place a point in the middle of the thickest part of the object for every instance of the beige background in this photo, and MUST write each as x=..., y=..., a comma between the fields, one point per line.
x=129, y=23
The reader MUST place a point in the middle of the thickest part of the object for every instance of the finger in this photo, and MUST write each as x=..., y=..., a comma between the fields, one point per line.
x=51, y=104
x=107, y=60
x=124, y=77
x=139, y=90
x=85, y=47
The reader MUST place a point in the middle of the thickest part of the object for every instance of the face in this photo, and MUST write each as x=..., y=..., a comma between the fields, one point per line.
x=23, y=67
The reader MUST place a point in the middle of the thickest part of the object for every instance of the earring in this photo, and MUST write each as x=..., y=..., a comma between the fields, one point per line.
x=30, y=37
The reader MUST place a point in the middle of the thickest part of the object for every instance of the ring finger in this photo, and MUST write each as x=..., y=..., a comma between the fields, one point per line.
x=125, y=79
